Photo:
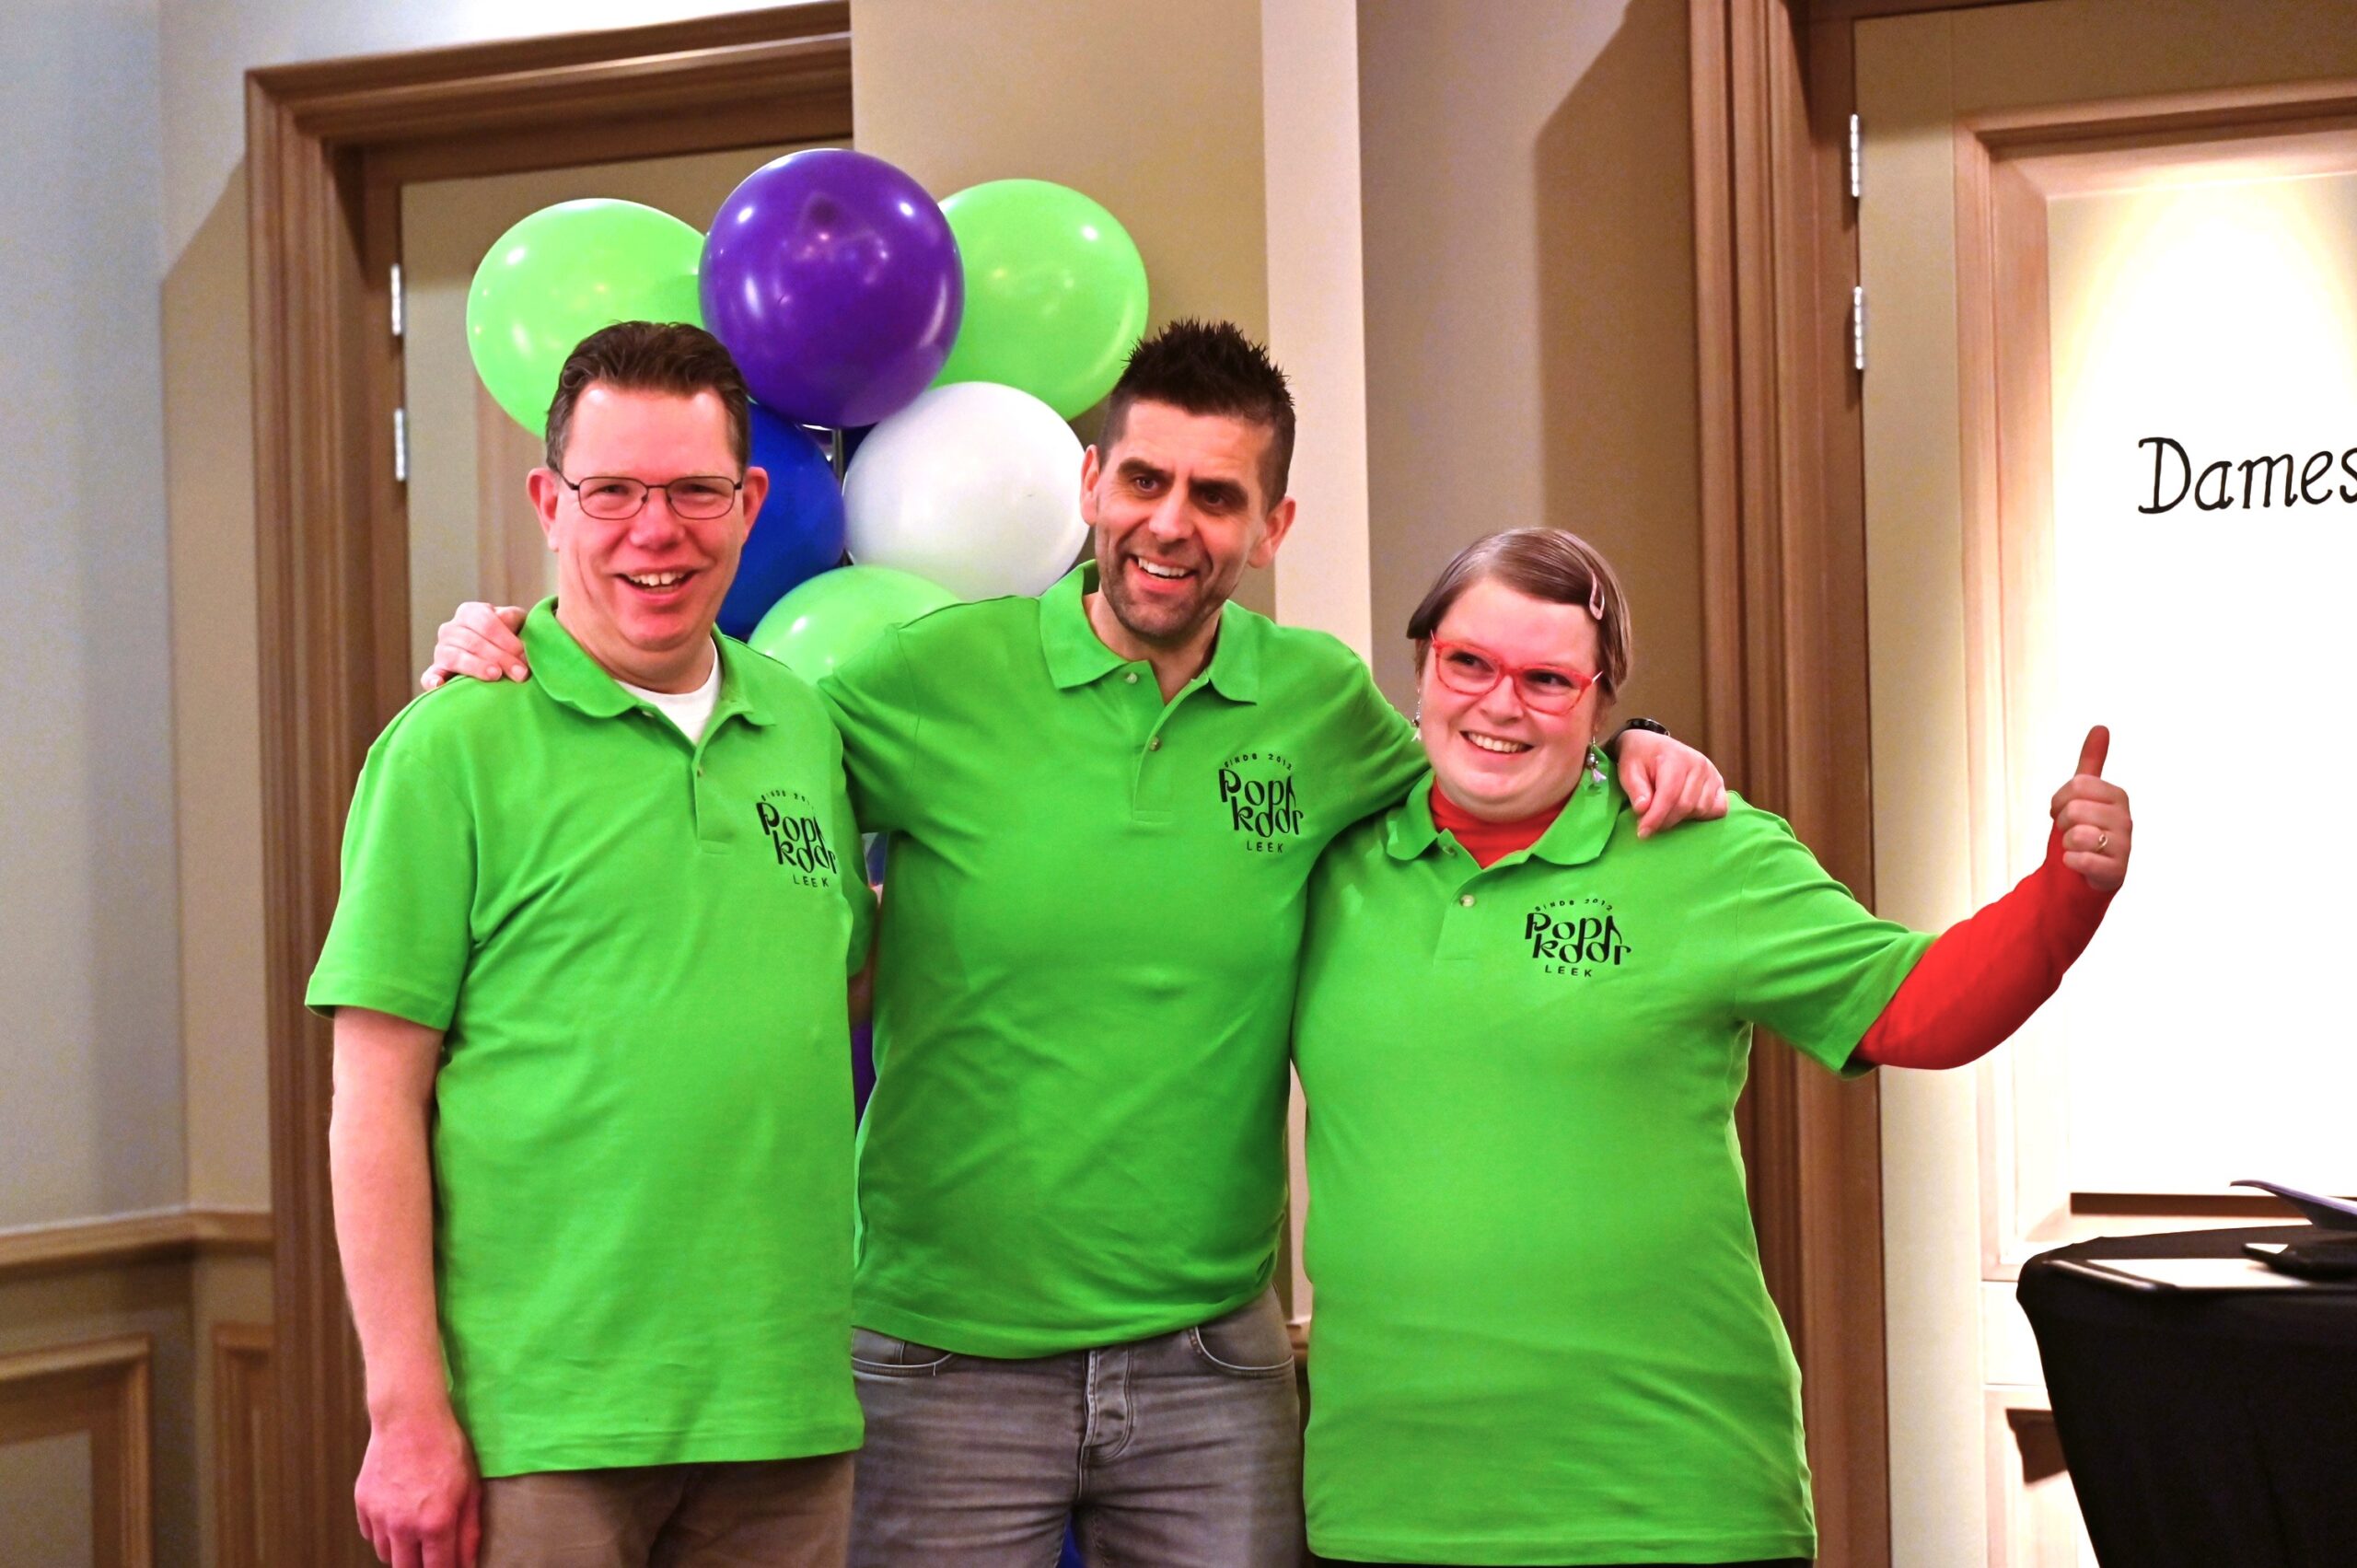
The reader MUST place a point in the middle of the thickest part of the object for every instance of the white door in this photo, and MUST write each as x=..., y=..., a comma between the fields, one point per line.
x=2094, y=235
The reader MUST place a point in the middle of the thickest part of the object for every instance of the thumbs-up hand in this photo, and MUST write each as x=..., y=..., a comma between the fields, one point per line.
x=2093, y=815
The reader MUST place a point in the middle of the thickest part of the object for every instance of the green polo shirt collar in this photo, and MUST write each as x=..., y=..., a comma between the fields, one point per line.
x=1577, y=835
x=1078, y=657
x=567, y=673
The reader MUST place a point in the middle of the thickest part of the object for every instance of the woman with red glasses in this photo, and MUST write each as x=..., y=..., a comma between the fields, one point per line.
x=1541, y=1334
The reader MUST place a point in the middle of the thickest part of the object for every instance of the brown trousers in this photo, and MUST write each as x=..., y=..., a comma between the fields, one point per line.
x=766, y=1514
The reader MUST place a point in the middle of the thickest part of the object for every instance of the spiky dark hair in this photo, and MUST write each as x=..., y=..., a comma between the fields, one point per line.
x=1210, y=368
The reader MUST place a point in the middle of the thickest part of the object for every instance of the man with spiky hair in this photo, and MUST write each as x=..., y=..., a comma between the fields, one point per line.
x=1103, y=805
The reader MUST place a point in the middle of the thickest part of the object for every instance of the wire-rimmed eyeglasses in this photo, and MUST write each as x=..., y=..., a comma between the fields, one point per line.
x=615, y=498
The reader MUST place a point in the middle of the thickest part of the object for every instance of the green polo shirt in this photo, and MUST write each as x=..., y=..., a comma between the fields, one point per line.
x=636, y=951
x=1541, y=1332
x=1086, y=967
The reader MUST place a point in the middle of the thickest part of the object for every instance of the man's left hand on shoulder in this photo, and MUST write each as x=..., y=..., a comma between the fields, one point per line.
x=1667, y=781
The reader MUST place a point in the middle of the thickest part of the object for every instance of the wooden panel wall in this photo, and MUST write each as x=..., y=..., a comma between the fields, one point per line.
x=104, y=1363
x=101, y=1388
x=245, y=1445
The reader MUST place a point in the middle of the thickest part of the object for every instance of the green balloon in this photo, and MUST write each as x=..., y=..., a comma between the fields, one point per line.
x=561, y=274
x=828, y=620
x=1055, y=292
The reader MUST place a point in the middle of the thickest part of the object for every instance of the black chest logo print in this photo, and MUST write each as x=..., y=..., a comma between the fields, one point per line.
x=796, y=835
x=1574, y=937
x=1262, y=803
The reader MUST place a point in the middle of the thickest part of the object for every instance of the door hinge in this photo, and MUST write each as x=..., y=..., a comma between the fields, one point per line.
x=1858, y=328
x=400, y=446
x=399, y=304
x=1857, y=160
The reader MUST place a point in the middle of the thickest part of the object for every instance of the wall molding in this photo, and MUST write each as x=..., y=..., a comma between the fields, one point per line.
x=102, y=1388
x=148, y=1236
x=245, y=1445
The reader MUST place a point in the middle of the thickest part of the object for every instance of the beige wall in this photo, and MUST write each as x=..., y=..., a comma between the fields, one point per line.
x=1530, y=349
x=208, y=456
x=208, y=48
x=88, y=965
x=1152, y=109
x=1309, y=115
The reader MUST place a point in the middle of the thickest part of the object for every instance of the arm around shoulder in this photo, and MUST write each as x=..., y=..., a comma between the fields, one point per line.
x=876, y=710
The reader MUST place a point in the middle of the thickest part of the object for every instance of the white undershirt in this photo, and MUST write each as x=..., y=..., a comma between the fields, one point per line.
x=690, y=710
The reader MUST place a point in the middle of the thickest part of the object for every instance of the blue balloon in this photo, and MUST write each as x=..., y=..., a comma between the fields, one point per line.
x=800, y=531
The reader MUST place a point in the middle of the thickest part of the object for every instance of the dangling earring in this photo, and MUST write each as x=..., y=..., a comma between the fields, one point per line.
x=1596, y=767
x=1416, y=719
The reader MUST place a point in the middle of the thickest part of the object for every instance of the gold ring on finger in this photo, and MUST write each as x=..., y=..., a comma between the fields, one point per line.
x=2103, y=841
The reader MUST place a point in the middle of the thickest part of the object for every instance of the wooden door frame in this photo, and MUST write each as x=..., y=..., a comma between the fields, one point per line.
x=328, y=146
x=1785, y=653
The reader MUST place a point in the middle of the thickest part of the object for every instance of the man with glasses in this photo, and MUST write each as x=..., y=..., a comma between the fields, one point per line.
x=591, y=1147
x=1102, y=806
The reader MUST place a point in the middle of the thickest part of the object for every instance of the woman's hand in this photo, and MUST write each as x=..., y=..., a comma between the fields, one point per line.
x=2093, y=816
x=1668, y=781
x=479, y=640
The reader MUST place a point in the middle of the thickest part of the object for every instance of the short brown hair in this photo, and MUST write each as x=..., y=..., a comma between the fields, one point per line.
x=651, y=357
x=1210, y=368
x=1553, y=565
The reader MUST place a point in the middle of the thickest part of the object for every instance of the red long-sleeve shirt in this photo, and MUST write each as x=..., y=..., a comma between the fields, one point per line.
x=1974, y=986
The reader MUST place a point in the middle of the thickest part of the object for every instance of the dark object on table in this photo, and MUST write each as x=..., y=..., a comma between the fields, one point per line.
x=2203, y=1429
x=2334, y=1260
x=2332, y=1214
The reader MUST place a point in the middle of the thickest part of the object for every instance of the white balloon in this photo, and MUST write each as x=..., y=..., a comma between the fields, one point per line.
x=974, y=486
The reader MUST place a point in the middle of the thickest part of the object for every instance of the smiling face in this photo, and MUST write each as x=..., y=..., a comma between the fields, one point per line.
x=1494, y=754
x=1176, y=506
x=641, y=593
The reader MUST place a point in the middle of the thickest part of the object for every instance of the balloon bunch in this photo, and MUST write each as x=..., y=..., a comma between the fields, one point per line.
x=961, y=336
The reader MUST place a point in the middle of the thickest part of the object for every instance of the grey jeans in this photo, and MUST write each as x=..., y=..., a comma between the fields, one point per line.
x=1182, y=1451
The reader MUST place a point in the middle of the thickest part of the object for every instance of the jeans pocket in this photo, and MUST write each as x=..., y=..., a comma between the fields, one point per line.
x=1251, y=1341
x=881, y=1355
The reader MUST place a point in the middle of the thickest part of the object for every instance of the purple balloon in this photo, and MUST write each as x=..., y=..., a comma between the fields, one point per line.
x=834, y=280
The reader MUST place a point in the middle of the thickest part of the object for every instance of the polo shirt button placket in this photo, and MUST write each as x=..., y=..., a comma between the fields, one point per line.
x=1150, y=788
x=709, y=837
x=1461, y=928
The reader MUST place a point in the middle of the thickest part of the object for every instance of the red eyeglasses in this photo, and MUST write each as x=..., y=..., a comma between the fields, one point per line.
x=1473, y=671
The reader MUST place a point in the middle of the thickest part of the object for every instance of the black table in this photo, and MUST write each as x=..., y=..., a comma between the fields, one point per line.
x=2202, y=1429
